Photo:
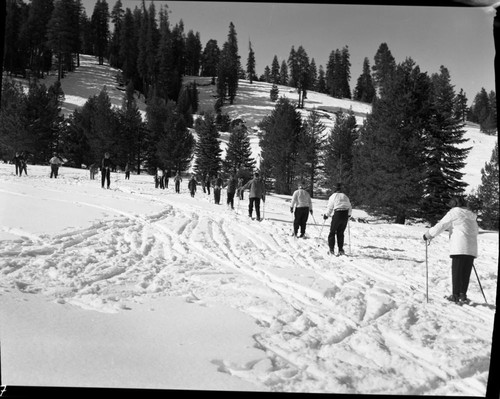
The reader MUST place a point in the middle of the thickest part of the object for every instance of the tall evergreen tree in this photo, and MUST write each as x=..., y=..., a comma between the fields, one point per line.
x=275, y=71
x=460, y=107
x=365, y=91
x=389, y=165
x=250, y=63
x=117, y=16
x=279, y=141
x=34, y=34
x=128, y=48
x=284, y=73
x=310, y=150
x=228, y=68
x=339, y=151
x=14, y=60
x=313, y=75
x=207, y=151
x=383, y=68
x=321, y=85
x=485, y=201
x=14, y=135
x=239, y=151
x=100, y=29
x=210, y=59
x=193, y=53
x=443, y=157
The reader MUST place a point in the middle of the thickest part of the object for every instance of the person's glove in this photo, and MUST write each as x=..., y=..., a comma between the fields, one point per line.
x=291, y=209
x=427, y=237
x=325, y=217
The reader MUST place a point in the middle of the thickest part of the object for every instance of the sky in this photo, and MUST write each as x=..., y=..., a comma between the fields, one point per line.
x=460, y=38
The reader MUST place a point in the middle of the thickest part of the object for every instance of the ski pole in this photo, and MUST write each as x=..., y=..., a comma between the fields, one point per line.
x=349, y=234
x=427, y=243
x=480, y=286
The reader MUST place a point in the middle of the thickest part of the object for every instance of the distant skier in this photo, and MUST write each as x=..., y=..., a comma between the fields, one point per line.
x=106, y=166
x=17, y=161
x=166, y=177
x=93, y=171
x=340, y=206
x=177, y=181
x=301, y=200
x=463, y=230
x=257, y=193
x=24, y=164
x=127, y=171
x=55, y=162
x=238, y=188
x=159, y=178
x=192, y=186
x=207, y=184
x=231, y=190
x=217, y=189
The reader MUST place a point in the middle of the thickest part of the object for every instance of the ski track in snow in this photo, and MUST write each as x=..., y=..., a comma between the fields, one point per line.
x=321, y=314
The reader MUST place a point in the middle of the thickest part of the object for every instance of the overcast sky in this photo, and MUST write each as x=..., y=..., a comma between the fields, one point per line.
x=460, y=38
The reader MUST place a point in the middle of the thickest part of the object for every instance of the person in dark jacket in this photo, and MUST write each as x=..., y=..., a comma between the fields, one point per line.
x=257, y=193
x=127, y=171
x=106, y=166
x=192, y=186
x=177, y=181
x=463, y=230
x=217, y=189
x=238, y=188
x=231, y=185
x=207, y=184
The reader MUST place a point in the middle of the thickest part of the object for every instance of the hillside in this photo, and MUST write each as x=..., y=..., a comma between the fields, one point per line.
x=252, y=104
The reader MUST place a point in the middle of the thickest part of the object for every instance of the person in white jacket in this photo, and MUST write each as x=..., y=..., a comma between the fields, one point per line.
x=463, y=231
x=55, y=162
x=340, y=205
x=301, y=200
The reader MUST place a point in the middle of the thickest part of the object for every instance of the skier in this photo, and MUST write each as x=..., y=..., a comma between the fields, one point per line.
x=192, y=186
x=17, y=160
x=127, y=171
x=257, y=192
x=55, y=162
x=166, y=176
x=159, y=177
x=463, y=231
x=239, y=190
x=106, y=165
x=301, y=200
x=207, y=184
x=340, y=206
x=231, y=190
x=177, y=180
x=217, y=189
x=93, y=171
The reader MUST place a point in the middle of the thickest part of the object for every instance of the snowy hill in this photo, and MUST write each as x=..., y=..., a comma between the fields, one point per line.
x=139, y=287
x=252, y=104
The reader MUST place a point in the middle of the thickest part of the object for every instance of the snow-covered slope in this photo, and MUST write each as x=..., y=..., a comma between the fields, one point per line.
x=140, y=287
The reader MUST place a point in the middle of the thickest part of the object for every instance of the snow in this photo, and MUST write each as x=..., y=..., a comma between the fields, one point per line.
x=137, y=287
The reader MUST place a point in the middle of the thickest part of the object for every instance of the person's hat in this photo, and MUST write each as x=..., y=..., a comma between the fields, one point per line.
x=301, y=184
x=338, y=187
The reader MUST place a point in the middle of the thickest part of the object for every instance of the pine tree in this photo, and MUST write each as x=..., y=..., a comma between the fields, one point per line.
x=267, y=74
x=33, y=33
x=279, y=142
x=310, y=150
x=274, y=93
x=388, y=164
x=275, y=71
x=321, y=85
x=250, y=63
x=193, y=53
x=14, y=58
x=239, y=151
x=210, y=59
x=207, y=151
x=313, y=75
x=117, y=15
x=284, y=73
x=339, y=158
x=460, y=108
x=383, y=68
x=128, y=48
x=443, y=156
x=13, y=125
x=228, y=67
x=365, y=91
x=486, y=200
x=100, y=29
